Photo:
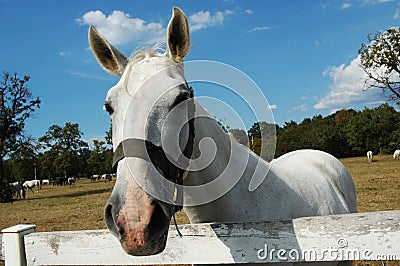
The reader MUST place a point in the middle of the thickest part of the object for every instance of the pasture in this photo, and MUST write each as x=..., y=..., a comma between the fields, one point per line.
x=81, y=207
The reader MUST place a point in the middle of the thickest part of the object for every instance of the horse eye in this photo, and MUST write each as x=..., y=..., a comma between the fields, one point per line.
x=108, y=108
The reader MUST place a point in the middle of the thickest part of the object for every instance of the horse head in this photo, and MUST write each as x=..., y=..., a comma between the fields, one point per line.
x=149, y=107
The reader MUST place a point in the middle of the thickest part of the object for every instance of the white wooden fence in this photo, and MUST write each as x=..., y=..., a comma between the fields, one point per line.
x=361, y=236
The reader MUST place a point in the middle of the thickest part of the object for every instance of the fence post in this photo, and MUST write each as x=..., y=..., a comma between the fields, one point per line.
x=14, y=246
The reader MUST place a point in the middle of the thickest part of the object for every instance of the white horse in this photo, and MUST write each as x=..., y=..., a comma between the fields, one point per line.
x=31, y=184
x=45, y=182
x=396, y=154
x=234, y=186
x=369, y=156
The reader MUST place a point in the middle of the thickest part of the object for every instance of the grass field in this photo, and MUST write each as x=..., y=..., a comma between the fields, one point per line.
x=81, y=207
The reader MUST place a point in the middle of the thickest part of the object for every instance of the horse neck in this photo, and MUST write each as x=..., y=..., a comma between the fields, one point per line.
x=231, y=166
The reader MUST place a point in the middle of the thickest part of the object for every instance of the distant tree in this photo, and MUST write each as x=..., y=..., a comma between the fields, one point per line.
x=65, y=144
x=16, y=106
x=262, y=137
x=96, y=160
x=23, y=162
x=108, y=137
x=372, y=129
x=380, y=59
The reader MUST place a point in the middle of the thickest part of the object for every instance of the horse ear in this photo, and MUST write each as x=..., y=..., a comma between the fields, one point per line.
x=178, y=35
x=107, y=55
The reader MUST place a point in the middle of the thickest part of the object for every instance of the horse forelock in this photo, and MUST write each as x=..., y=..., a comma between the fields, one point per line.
x=139, y=55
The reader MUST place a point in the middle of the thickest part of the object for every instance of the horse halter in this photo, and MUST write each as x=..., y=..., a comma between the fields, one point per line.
x=144, y=149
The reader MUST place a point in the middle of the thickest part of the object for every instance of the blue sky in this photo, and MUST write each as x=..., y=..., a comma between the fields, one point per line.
x=302, y=54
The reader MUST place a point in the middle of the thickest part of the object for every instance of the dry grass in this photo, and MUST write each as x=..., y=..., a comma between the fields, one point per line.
x=81, y=207
x=377, y=183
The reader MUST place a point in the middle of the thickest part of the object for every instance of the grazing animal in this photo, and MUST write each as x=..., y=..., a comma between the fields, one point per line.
x=31, y=184
x=396, y=154
x=154, y=181
x=45, y=182
x=106, y=177
x=94, y=177
x=369, y=156
x=71, y=181
x=18, y=190
x=59, y=181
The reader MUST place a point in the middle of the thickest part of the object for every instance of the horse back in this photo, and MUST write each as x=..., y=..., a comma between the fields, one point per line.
x=323, y=171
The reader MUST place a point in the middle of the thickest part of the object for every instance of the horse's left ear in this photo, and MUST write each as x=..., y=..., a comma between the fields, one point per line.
x=178, y=35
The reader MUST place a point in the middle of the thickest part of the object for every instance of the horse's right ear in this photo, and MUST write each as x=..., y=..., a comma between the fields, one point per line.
x=107, y=55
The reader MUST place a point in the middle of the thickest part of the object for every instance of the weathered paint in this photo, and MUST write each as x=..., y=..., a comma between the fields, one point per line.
x=370, y=234
x=13, y=239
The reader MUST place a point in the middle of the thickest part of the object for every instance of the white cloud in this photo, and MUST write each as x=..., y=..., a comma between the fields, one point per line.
x=345, y=6
x=205, y=19
x=396, y=13
x=120, y=27
x=64, y=53
x=272, y=107
x=249, y=11
x=301, y=107
x=374, y=2
x=259, y=28
x=347, y=87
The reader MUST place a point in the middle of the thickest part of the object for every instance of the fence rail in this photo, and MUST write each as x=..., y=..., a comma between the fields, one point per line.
x=360, y=236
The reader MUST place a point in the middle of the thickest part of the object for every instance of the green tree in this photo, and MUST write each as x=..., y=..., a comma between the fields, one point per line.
x=23, y=162
x=96, y=160
x=262, y=137
x=108, y=137
x=380, y=59
x=16, y=106
x=66, y=145
x=372, y=129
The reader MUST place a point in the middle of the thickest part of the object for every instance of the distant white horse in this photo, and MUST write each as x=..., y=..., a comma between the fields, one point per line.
x=45, y=182
x=298, y=184
x=30, y=184
x=396, y=154
x=369, y=156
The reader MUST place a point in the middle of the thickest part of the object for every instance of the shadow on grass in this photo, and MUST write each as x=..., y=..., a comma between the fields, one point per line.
x=72, y=195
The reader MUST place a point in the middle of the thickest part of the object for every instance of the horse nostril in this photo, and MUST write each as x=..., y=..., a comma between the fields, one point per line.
x=111, y=222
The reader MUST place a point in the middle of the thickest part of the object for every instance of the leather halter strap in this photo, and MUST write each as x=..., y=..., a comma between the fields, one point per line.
x=144, y=149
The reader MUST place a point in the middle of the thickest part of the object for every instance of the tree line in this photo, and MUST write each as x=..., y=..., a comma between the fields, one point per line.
x=61, y=151
x=346, y=133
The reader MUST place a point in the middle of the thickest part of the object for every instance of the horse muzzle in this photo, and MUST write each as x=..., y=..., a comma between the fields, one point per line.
x=136, y=219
